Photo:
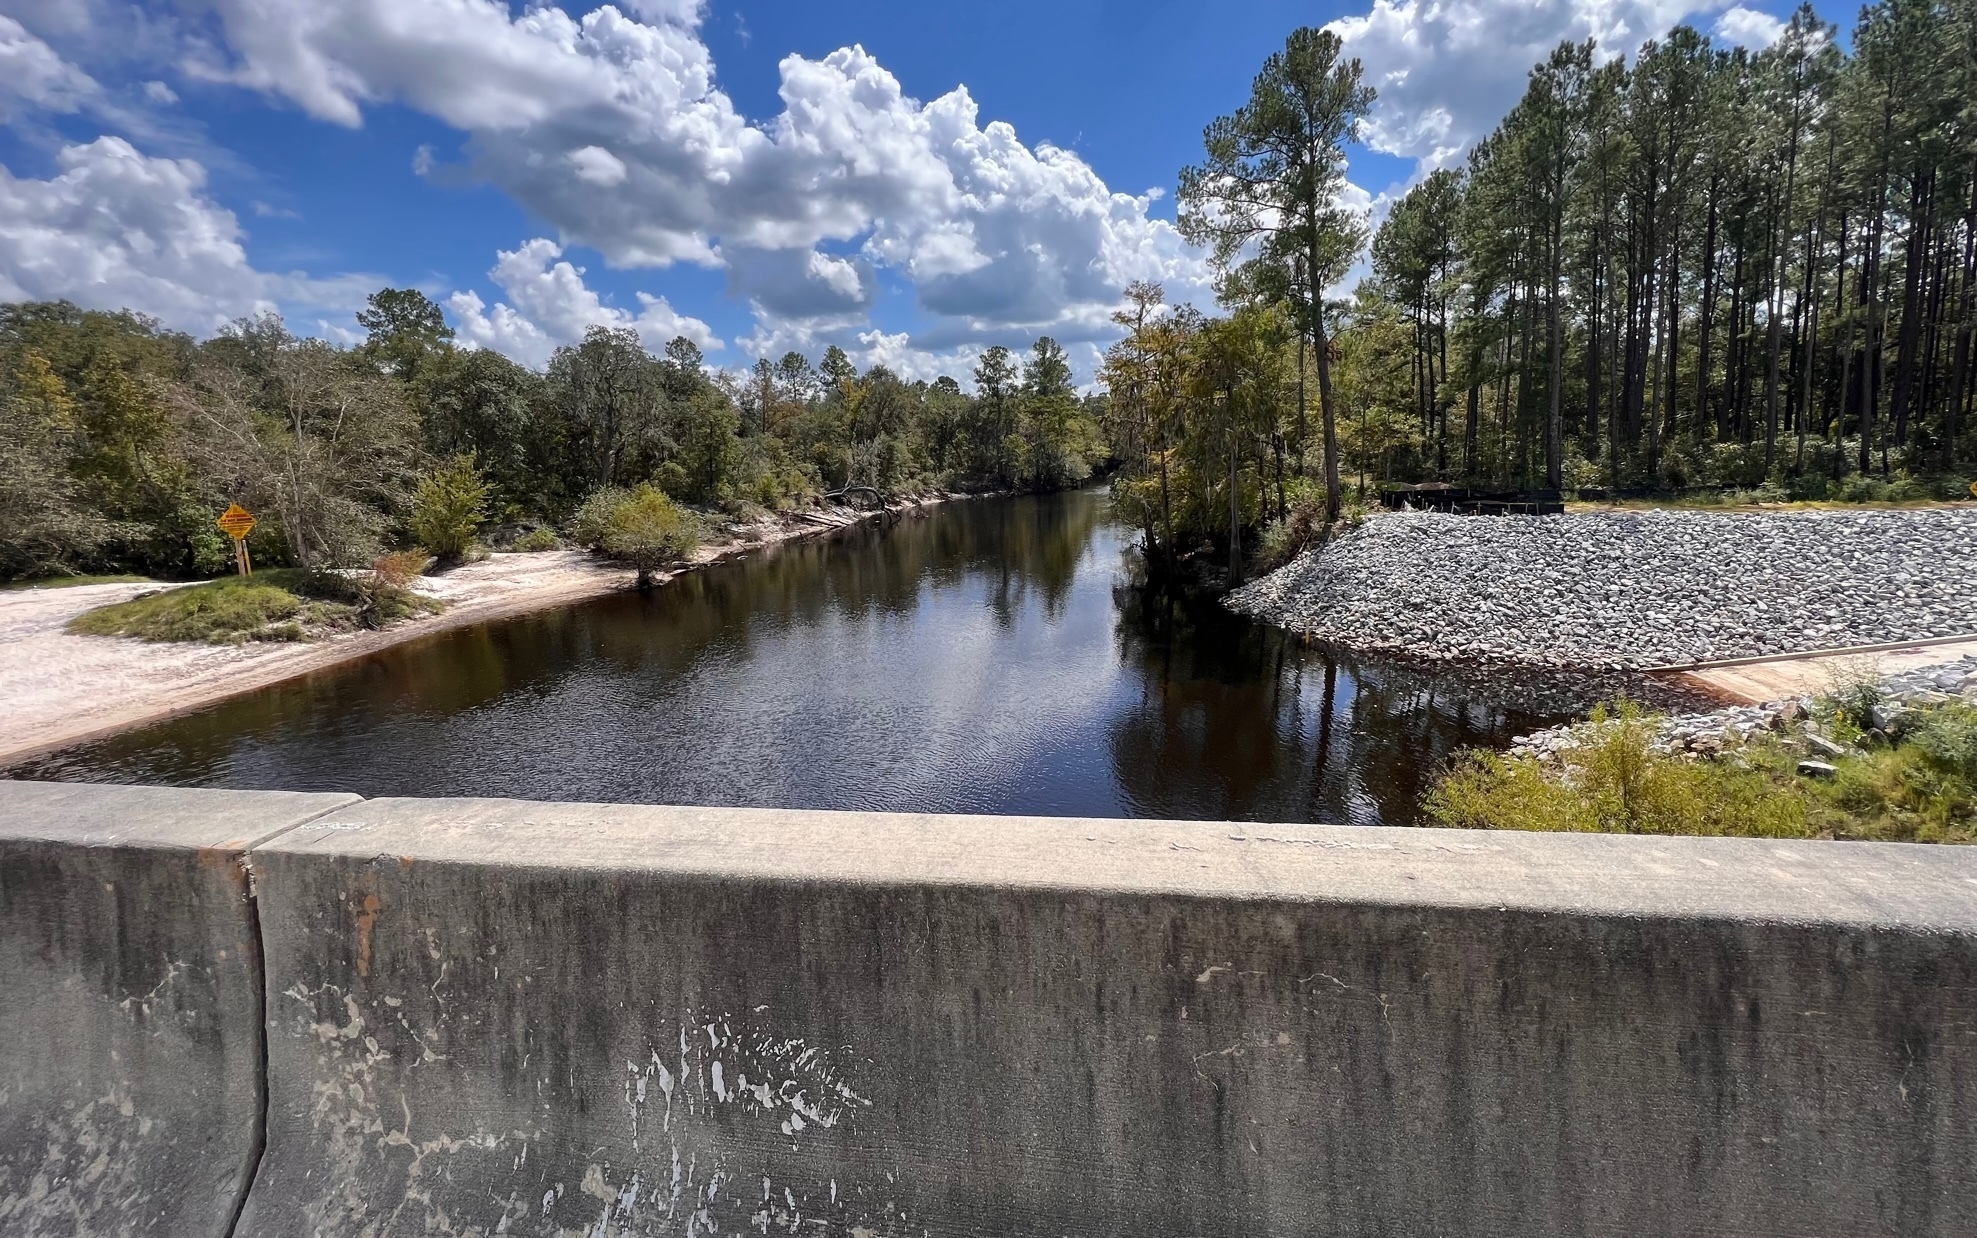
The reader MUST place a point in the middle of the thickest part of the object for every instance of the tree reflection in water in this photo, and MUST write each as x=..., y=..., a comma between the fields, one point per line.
x=1001, y=656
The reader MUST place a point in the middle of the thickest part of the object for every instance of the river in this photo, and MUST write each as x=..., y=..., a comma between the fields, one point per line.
x=993, y=656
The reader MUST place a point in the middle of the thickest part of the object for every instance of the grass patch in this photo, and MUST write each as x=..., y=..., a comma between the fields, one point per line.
x=225, y=611
x=68, y=582
x=281, y=604
x=1920, y=787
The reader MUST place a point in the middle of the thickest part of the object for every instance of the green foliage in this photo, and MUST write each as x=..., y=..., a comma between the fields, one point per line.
x=1301, y=527
x=476, y=401
x=448, y=508
x=373, y=599
x=1920, y=788
x=642, y=528
x=309, y=437
x=1268, y=198
x=1946, y=741
x=1620, y=785
x=404, y=328
x=1855, y=690
x=537, y=540
x=49, y=529
x=1059, y=442
x=125, y=441
x=1205, y=422
x=709, y=453
x=1682, y=266
x=119, y=373
x=768, y=474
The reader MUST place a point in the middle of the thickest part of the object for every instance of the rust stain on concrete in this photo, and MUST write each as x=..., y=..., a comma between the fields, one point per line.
x=366, y=919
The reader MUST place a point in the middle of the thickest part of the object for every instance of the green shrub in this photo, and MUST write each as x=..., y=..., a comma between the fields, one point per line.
x=1283, y=540
x=1484, y=790
x=642, y=528
x=536, y=540
x=448, y=508
x=1855, y=788
x=1947, y=739
x=1304, y=524
x=1619, y=784
x=1920, y=788
x=1917, y=790
x=672, y=478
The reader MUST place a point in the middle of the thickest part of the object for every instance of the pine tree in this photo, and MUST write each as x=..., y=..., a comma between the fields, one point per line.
x=1272, y=178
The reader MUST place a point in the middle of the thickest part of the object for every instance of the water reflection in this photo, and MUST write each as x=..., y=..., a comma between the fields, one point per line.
x=1000, y=656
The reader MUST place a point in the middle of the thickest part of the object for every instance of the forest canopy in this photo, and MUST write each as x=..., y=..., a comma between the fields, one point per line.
x=126, y=440
x=1691, y=266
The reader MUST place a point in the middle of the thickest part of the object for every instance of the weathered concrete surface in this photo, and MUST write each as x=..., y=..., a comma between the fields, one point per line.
x=1755, y=681
x=491, y=1017
x=130, y=1089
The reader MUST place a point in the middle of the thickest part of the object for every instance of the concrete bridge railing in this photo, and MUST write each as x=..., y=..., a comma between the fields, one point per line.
x=493, y=1017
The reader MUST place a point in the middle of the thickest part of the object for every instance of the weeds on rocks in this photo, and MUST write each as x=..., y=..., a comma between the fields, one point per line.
x=1616, y=783
x=1854, y=691
x=1917, y=785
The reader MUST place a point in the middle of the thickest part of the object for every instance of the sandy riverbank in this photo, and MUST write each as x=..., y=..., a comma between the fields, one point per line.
x=58, y=689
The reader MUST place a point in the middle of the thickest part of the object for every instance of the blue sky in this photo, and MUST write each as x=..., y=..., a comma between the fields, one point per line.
x=732, y=170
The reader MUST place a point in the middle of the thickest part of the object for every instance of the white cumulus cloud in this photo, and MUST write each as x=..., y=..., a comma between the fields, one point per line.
x=1447, y=70
x=116, y=228
x=598, y=166
x=1744, y=27
x=610, y=126
x=548, y=304
x=32, y=73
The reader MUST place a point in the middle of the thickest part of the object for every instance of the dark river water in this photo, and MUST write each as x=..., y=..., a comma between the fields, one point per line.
x=1000, y=656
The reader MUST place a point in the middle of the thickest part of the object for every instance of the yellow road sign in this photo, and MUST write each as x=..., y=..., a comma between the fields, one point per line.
x=235, y=522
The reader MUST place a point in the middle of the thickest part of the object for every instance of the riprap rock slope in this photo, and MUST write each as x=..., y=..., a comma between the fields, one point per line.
x=1628, y=590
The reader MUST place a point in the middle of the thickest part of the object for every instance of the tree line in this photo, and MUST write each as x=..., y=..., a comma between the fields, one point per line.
x=1696, y=267
x=1703, y=266
x=125, y=440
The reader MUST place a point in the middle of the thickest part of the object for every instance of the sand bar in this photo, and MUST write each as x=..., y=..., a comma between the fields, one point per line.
x=58, y=689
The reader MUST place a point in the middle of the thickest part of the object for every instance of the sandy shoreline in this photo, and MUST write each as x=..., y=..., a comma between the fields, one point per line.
x=58, y=689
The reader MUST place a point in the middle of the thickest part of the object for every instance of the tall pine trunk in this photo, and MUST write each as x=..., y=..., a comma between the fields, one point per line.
x=1920, y=210
x=1327, y=401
